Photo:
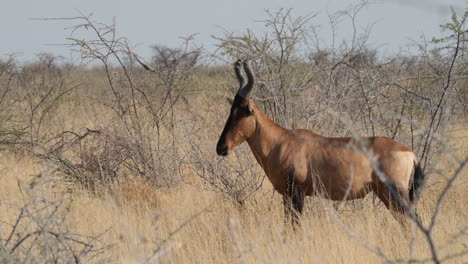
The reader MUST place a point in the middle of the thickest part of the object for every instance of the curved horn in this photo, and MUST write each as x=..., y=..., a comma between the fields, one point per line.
x=244, y=92
x=240, y=77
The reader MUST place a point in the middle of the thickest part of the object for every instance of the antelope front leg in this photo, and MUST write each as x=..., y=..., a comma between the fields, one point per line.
x=293, y=200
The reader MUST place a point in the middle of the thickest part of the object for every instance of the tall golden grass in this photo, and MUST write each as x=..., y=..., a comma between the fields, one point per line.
x=190, y=223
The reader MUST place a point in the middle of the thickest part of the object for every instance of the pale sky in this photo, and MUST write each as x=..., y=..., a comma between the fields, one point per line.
x=146, y=22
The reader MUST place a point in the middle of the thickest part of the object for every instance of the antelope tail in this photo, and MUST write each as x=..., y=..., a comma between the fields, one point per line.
x=417, y=182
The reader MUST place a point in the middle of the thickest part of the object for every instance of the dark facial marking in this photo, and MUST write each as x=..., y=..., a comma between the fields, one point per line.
x=240, y=109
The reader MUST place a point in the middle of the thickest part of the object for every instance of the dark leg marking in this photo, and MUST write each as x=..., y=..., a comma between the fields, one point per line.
x=293, y=200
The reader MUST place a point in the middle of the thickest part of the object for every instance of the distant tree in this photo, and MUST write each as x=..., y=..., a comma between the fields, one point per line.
x=48, y=59
x=363, y=57
x=174, y=57
x=320, y=57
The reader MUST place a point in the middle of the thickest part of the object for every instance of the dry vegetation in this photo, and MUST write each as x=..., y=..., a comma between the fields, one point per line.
x=117, y=163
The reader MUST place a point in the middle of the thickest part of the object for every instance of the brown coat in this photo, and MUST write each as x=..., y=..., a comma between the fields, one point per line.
x=300, y=162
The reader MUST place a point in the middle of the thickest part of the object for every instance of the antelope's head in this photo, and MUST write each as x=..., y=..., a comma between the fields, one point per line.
x=241, y=122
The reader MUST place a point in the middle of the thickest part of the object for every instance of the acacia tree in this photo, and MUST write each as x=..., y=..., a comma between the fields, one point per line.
x=282, y=73
x=349, y=90
x=143, y=100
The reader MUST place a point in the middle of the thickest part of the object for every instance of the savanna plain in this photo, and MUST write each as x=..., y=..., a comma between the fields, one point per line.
x=114, y=161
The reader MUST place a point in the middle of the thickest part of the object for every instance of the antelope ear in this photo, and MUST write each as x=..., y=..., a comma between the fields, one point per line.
x=230, y=101
x=250, y=109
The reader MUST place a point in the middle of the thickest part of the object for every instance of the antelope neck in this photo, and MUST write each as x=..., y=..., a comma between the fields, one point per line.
x=267, y=135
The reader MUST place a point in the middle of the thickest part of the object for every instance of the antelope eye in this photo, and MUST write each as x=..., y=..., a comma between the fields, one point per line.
x=245, y=111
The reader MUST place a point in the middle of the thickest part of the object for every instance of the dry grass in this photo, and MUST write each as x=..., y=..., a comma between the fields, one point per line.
x=192, y=221
x=147, y=187
x=191, y=224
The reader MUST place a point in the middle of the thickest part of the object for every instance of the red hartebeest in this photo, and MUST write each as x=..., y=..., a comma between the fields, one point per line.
x=301, y=163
